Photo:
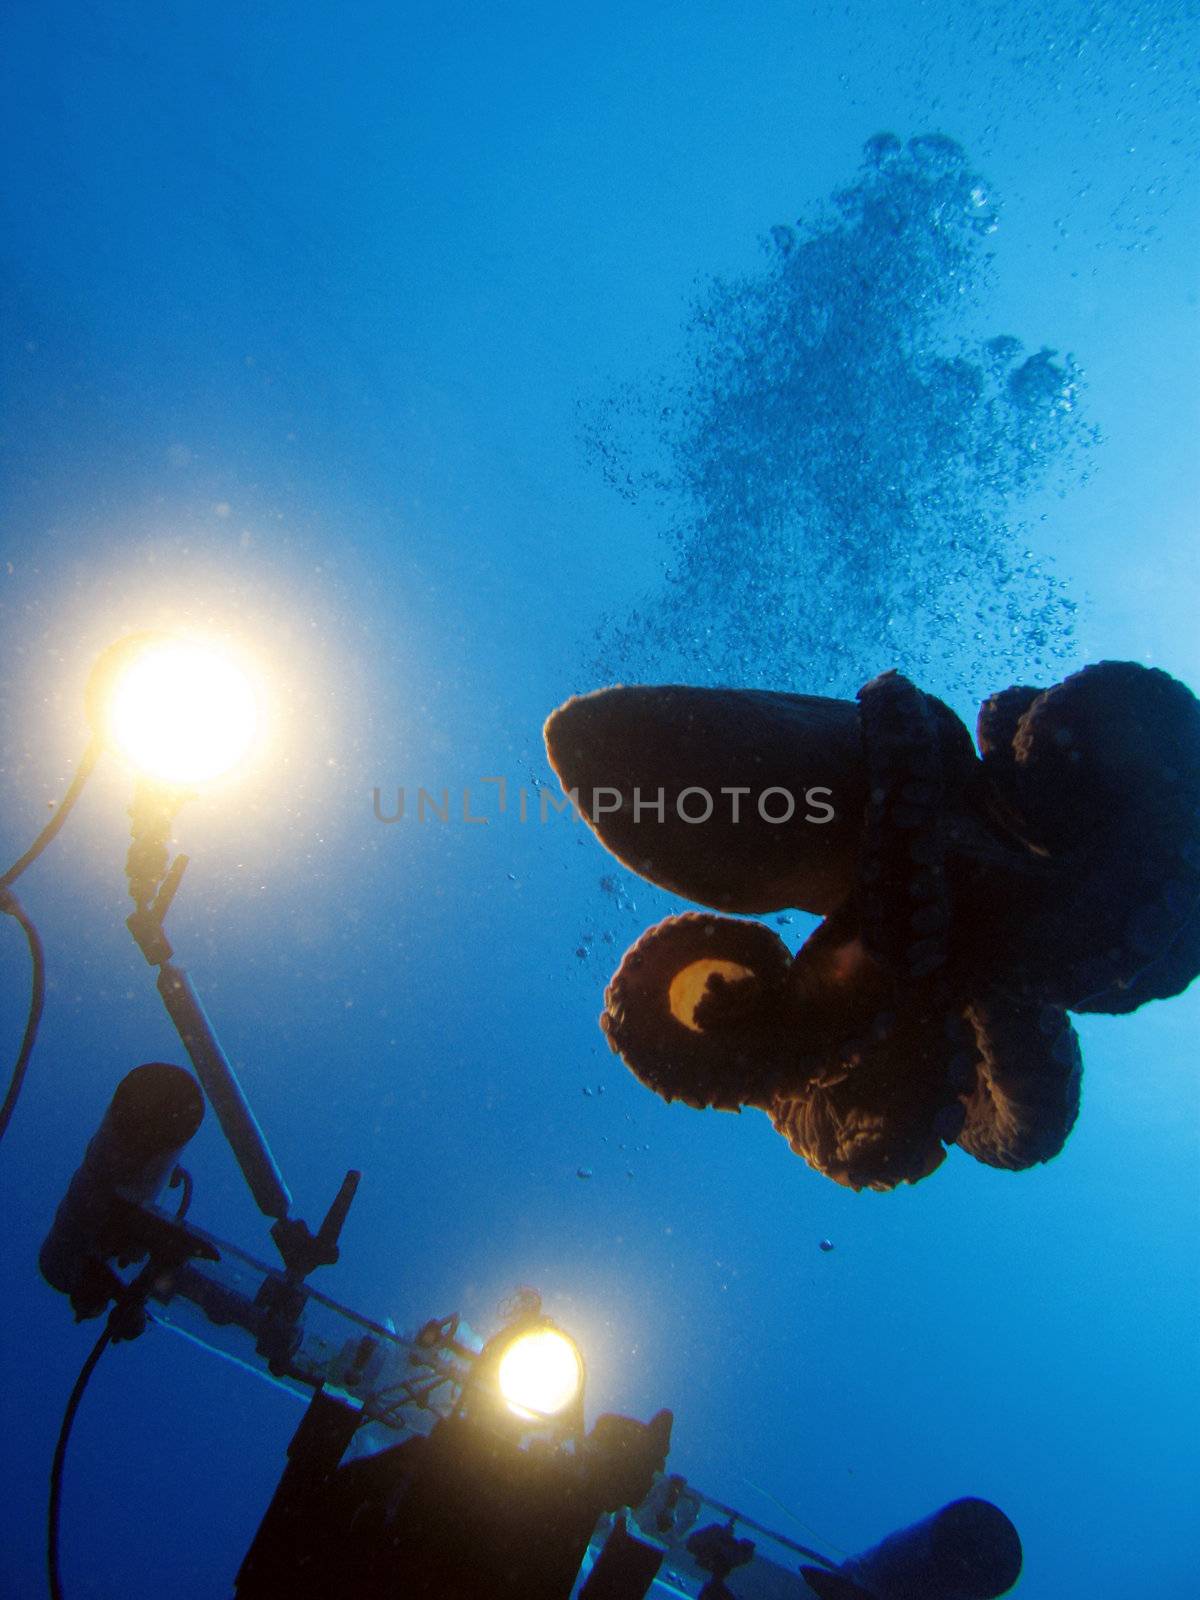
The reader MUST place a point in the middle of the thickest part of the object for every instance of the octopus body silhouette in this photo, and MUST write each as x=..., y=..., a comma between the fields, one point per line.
x=971, y=899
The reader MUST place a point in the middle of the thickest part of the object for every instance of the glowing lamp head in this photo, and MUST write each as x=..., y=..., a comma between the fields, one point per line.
x=540, y=1373
x=180, y=711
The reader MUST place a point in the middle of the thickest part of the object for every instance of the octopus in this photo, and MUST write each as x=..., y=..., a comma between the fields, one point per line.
x=970, y=899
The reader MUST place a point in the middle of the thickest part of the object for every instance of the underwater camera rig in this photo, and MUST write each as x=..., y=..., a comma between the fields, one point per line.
x=411, y=1474
x=428, y=1464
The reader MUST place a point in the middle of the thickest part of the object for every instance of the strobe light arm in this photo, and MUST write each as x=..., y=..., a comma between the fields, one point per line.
x=224, y=1092
x=153, y=884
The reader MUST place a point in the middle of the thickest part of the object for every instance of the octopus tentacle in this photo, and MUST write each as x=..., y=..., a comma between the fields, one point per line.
x=918, y=759
x=1102, y=779
x=697, y=1009
x=1163, y=976
x=996, y=724
x=1114, y=745
x=1026, y=1096
x=888, y=1117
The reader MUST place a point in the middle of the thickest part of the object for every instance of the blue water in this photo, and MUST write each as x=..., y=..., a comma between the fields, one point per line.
x=393, y=341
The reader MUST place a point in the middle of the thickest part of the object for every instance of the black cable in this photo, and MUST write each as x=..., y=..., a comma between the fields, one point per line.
x=60, y=1456
x=12, y=907
x=37, y=999
x=82, y=773
x=182, y=1176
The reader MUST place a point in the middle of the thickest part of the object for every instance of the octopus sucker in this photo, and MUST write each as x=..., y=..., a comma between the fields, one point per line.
x=709, y=1048
x=970, y=901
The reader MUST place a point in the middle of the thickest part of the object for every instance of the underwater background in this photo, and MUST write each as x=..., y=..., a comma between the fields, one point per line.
x=454, y=359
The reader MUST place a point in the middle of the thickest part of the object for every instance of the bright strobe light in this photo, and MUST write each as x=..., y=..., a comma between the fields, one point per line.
x=540, y=1373
x=180, y=711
